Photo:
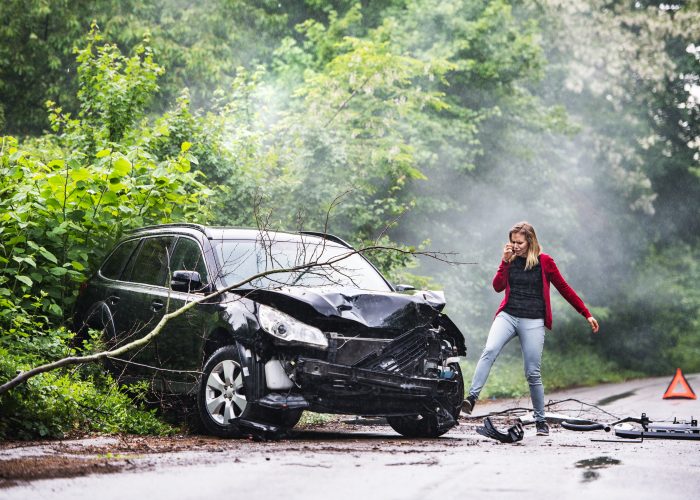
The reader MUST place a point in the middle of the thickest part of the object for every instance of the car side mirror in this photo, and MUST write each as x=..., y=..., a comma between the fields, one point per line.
x=404, y=288
x=186, y=281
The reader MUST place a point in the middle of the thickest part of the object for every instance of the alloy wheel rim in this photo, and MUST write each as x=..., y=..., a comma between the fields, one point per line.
x=225, y=395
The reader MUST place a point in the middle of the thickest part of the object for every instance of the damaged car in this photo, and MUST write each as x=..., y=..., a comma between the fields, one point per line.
x=302, y=322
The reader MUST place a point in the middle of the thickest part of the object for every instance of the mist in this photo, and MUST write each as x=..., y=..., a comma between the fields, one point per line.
x=584, y=186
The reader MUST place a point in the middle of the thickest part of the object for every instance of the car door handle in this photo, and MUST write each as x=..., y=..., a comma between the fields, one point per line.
x=157, y=305
x=112, y=300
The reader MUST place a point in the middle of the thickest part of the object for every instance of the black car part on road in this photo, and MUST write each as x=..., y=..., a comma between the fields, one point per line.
x=649, y=429
x=514, y=433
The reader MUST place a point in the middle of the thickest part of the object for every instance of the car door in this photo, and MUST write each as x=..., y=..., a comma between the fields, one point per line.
x=139, y=301
x=179, y=349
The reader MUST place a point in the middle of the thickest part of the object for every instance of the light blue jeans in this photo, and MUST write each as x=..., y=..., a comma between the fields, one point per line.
x=531, y=335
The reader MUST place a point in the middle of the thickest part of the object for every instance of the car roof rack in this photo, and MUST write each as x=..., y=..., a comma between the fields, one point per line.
x=329, y=237
x=205, y=230
x=189, y=225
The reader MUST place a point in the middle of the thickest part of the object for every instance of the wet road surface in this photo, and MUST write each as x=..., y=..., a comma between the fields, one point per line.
x=350, y=461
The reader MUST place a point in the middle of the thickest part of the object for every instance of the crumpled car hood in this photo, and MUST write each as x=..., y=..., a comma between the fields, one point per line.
x=383, y=310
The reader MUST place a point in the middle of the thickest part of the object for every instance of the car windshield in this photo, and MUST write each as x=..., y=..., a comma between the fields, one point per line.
x=241, y=259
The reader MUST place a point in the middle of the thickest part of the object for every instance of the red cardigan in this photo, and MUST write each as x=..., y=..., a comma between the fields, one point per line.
x=550, y=274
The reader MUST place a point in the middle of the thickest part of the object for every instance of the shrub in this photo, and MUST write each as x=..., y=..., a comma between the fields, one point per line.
x=54, y=404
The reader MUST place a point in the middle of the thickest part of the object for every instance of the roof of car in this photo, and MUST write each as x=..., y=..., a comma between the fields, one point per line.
x=224, y=233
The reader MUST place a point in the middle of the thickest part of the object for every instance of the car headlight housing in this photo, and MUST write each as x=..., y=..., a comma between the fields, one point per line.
x=284, y=327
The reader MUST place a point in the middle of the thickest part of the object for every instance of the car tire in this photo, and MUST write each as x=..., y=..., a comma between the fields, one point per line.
x=426, y=425
x=223, y=398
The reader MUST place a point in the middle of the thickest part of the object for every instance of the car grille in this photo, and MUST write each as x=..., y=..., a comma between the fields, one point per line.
x=405, y=354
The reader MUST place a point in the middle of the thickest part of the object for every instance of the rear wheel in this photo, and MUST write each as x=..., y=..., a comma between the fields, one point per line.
x=427, y=425
x=99, y=318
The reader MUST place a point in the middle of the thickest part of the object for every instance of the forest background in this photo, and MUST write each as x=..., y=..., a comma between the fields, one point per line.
x=445, y=120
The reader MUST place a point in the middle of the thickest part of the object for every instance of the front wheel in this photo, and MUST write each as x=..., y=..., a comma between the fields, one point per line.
x=428, y=425
x=222, y=398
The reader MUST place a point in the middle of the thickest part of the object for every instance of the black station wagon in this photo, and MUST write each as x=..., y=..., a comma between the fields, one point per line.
x=333, y=338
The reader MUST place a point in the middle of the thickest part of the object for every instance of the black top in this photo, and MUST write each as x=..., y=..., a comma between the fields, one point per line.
x=526, y=298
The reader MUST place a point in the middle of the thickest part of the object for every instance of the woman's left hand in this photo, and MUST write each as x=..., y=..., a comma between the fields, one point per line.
x=594, y=324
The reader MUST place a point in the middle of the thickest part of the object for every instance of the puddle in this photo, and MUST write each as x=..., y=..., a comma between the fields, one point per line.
x=591, y=464
x=610, y=399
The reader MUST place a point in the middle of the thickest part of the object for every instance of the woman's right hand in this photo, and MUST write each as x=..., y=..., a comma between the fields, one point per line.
x=507, y=252
x=594, y=324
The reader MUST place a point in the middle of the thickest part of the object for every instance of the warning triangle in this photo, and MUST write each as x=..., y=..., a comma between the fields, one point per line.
x=679, y=388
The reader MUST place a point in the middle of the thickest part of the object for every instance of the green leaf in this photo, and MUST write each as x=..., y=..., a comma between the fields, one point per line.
x=80, y=174
x=109, y=198
x=185, y=146
x=53, y=203
x=48, y=255
x=58, y=271
x=192, y=158
x=56, y=309
x=77, y=265
x=121, y=167
x=25, y=279
x=102, y=153
x=57, y=180
x=116, y=186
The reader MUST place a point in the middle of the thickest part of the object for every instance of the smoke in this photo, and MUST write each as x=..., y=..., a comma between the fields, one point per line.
x=582, y=186
x=561, y=143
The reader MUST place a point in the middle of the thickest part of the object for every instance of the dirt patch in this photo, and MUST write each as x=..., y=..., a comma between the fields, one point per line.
x=28, y=461
x=15, y=470
x=81, y=455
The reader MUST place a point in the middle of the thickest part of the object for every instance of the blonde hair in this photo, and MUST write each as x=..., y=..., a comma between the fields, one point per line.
x=534, y=249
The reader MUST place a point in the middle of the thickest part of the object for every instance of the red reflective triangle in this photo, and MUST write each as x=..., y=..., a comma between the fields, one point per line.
x=686, y=392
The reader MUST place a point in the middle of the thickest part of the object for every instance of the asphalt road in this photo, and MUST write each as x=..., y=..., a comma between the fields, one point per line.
x=353, y=461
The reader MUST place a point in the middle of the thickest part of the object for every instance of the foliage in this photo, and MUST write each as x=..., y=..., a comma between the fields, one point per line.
x=66, y=197
x=69, y=195
x=58, y=403
x=113, y=90
x=201, y=44
x=310, y=419
x=559, y=371
x=662, y=306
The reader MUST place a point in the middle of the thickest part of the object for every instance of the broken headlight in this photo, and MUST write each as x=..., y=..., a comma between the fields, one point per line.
x=284, y=327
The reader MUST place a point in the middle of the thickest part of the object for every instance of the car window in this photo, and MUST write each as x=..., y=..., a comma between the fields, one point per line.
x=112, y=268
x=150, y=265
x=242, y=259
x=187, y=256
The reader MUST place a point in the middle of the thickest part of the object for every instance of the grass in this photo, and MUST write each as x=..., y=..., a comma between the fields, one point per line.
x=559, y=371
x=311, y=419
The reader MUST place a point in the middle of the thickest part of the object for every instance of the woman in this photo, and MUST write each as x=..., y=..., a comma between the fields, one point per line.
x=525, y=273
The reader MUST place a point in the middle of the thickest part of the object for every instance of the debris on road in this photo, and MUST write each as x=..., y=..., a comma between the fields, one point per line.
x=512, y=435
x=649, y=429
